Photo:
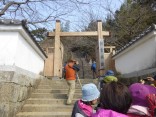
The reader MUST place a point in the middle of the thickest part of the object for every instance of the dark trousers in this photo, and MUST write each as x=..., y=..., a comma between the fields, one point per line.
x=94, y=74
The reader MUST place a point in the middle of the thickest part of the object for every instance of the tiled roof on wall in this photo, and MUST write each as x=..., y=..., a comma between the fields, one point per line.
x=22, y=23
x=148, y=30
x=10, y=22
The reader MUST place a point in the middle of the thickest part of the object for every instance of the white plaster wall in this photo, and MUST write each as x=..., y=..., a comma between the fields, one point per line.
x=8, y=44
x=27, y=58
x=17, y=49
x=140, y=57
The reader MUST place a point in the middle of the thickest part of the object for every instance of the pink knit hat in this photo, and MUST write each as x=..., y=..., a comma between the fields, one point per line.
x=139, y=92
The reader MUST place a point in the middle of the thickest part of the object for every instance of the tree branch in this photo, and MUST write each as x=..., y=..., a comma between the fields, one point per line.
x=7, y=6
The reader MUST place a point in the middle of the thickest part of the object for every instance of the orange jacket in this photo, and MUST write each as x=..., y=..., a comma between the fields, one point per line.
x=70, y=72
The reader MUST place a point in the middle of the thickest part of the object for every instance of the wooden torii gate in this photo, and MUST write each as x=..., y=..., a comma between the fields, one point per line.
x=99, y=33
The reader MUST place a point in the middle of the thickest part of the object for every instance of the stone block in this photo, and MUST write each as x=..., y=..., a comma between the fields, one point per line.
x=15, y=89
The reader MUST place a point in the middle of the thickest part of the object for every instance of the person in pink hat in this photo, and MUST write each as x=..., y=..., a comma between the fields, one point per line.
x=115, y=100
x=139, y=107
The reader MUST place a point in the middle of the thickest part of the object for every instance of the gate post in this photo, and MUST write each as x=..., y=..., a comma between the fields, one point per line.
x=100, y=56
x=57, y=45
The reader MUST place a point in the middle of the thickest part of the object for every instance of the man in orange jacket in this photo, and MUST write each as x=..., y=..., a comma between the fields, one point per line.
x=70, y=75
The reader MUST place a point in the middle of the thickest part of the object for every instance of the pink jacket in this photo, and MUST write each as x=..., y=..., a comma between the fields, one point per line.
x=87, y=109
x=107, y=113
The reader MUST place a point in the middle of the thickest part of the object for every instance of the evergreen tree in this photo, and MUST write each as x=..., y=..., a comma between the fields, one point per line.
x=39, y=33
x=131, y=19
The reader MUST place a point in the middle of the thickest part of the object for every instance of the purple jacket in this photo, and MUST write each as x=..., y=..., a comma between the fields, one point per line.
x=107, y=113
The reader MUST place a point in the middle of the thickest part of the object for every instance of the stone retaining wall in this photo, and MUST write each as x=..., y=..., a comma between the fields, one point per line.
x=16, y=86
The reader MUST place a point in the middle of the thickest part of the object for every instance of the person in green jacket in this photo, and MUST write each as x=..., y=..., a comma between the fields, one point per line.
x=109, y=77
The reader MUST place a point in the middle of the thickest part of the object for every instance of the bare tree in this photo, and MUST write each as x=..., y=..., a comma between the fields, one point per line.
x=39, y=11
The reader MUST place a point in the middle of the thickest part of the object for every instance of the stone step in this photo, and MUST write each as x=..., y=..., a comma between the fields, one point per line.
x=44, y=114
x=86, y=81
x=45, y=81
x=46, y=108
x=65, y=84
x=55, y=91
x=56, y=87
x=47, y=101
x=83, y=81
x=56, y=95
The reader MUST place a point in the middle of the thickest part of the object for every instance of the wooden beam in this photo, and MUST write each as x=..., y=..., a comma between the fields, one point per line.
x=109, y=47
x=95, y=33
x=100, y=35
x=56, y=48
x=100, y=63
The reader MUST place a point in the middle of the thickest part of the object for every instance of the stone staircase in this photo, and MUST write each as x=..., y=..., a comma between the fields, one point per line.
x=49, y=99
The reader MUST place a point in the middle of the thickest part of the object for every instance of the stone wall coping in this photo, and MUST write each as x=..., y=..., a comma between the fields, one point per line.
x=139, y=73
x=18, y=70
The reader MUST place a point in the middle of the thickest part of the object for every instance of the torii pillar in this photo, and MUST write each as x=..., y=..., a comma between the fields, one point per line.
x=57, y=46
x=100, y=54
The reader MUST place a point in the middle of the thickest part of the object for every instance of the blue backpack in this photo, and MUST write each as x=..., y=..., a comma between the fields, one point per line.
x=93, y=67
